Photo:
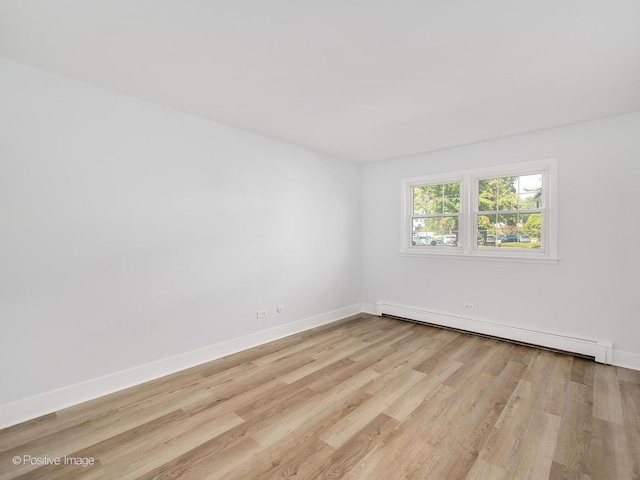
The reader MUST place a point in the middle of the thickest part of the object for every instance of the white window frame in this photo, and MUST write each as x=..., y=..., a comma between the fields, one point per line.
x=467, y=221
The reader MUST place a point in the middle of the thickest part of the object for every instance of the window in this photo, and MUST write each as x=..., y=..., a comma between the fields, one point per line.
x=506, y=212
x=435, y=213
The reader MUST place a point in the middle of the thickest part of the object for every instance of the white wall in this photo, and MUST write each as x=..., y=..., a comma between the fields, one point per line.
x=593, y=290
x=130, y=233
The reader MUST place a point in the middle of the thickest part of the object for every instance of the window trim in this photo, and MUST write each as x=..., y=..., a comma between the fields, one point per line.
x=467, y=230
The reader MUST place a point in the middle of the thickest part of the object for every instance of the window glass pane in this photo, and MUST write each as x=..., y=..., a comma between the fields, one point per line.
x=421, y=236
x=529, y=183
x=451, y=198
x=487, y=230
x=531, y=231
x=495, y=194
x=420, y=200
x=435, y=231
x=436, y=199
x=487, y=196
x=530, y=191
x=510, y=230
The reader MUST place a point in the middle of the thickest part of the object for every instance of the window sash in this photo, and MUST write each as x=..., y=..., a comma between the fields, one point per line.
x=411, y=215
x=525, y=250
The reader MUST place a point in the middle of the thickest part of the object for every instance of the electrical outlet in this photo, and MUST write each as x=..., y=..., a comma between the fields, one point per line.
x=261, y=313
x=468, y=306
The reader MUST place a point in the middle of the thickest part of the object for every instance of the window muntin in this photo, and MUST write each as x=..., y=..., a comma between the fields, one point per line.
x=435, y=210
x=506, y=212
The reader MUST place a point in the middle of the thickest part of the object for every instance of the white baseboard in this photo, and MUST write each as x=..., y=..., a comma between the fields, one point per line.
x=600, y=349
x=33, y=407
x=370, y=308
x=626, y=360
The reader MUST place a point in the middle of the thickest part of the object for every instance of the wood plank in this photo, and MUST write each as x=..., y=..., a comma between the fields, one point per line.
x=483, y=470
x=607, y=403
x=288, y=421
x=576, y=430
x=609, y=453
x=302, y=449
x=342, y=431
x=562, y=472
x=630, y=393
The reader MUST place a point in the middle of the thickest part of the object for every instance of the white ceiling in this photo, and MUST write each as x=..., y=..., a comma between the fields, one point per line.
x=358, y=79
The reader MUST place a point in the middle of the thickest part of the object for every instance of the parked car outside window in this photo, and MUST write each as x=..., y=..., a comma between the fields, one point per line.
x=423, y=240
x=450, y=239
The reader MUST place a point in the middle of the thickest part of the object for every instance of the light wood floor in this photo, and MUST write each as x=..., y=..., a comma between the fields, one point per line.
x=368, y=398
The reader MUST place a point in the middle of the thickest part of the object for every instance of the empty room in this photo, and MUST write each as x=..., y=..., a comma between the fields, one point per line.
x=312, y=240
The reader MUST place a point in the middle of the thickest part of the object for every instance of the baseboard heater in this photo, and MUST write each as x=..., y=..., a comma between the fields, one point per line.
x=598, y=350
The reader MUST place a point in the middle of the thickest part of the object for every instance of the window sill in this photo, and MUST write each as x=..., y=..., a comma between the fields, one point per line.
x=483, y=257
